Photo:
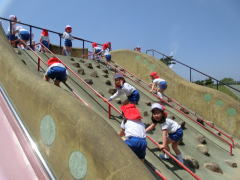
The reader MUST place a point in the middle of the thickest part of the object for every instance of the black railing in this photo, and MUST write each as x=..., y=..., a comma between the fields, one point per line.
x=153, y=51
x=54, y=32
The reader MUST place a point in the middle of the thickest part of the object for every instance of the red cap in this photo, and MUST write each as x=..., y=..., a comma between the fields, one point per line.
x=94, y=44
x=131, y=112
x=53, y=60
x=105, y=46
x=44, y=32
x=154, y=75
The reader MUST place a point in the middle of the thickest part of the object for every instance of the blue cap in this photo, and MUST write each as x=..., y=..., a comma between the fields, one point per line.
x=118, y=75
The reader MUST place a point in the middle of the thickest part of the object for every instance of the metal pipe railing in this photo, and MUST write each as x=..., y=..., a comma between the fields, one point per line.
x=99, y=95
x=175, y=159
x=54, y=32
x=220, y=131
x=191, y=68
x=38, y=68
x=78, y=77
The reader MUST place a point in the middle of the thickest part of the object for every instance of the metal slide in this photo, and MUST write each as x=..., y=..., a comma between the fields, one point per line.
x=24, y=161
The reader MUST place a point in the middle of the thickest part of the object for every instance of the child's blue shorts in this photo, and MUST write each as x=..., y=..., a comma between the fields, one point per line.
x=134, y=97
x=177, y=135
x=24, y=35
x=108, y=57
x=97, y=51
x=58, y=73
x=12, y=37
x=138, y=146
x=163, y=85
x=46, y=44
x=68, y=43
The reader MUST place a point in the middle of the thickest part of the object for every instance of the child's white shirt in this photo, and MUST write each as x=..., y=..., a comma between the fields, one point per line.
x=58, y=65
x=106, y=52
x=134, y=128
x=157, y=81
x=170, y=125
x=14, y=28
x=67, y=35
x=45, y=38
x=125, y=89
x=97, y=49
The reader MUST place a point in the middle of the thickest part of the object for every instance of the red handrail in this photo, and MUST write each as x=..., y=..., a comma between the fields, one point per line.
x=176, y=160
x=209, y=124
x=41, y=60
x=231, y=145
x=78, y=77
x=109, y=104
x=99, y=95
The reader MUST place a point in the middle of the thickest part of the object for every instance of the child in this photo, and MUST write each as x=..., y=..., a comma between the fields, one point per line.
x=172, y=132
x=106, y=52
x=133, y=130
x=157, y=83
x=44, y=39
x=56, y=71
x=97, y=51
x=123, y=87
x=67, y=50
x=12, y=31
x=109, y=46
x=24, y=35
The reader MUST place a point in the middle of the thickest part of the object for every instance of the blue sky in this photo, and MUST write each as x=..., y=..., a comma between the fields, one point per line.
x=204, y=34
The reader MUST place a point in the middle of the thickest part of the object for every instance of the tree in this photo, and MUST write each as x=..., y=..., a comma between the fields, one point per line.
x=209, y=81
x=168, y=60
x=205, y=82
x=228, y=81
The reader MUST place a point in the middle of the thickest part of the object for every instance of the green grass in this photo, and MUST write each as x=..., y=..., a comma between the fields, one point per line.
x=225, y=90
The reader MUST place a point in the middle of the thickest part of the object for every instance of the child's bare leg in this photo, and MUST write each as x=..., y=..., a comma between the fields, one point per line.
x=57, y=83
x=125, y=102
x=177, y=151
x=46, y=78
x=69, y=51
x=175, y=148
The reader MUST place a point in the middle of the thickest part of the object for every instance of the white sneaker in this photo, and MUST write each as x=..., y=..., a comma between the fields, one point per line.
x=160, y=95
x=180, y=158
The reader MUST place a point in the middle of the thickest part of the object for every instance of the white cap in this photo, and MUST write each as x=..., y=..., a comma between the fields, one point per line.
x=19, y=28
x=157, y=106
x=68, y=26
x=12, y=17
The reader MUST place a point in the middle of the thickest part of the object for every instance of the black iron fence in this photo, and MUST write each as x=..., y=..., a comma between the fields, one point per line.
x=153, y=52
x=31, y=27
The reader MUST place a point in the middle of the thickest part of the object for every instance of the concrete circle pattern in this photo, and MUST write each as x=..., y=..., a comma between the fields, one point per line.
x=78, y=165
x=138, y=57
x=207, y=97
x=231, y=111
x=47, y=130
x=219, y=103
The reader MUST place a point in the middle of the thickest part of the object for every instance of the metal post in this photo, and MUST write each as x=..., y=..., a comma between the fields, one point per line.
x=190, y=74
x=38, y=64
x=60, y=40
x=60, y=43
x=31, y=37
x=83, y=49
x=10, y=22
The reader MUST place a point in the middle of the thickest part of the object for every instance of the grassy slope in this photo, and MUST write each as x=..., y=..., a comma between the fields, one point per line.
x=209, y=103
